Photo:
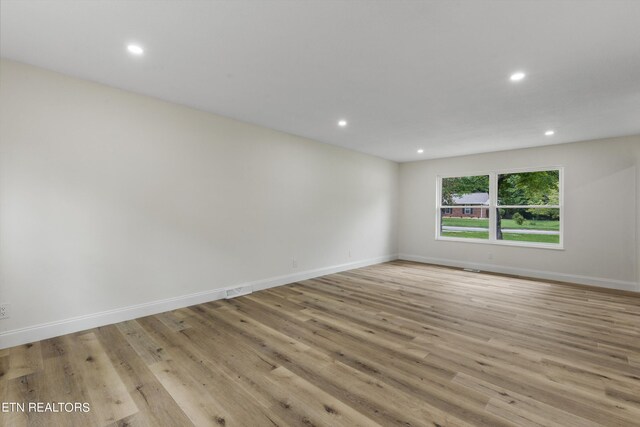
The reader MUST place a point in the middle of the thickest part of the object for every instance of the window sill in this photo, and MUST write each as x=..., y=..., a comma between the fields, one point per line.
x=557, y=247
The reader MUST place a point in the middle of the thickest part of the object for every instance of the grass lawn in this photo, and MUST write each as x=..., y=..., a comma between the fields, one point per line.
x=506, y=223
x=466, y=234
x=540, y=238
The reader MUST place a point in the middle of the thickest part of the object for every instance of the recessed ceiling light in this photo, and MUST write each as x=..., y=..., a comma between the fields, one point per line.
x=135, y=49
x=342, y=123
x=549, y=132
x=516, y=77
x=420, y=151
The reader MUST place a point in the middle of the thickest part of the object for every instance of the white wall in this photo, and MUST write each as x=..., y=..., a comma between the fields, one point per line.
x=601, y=214
x=110, y=199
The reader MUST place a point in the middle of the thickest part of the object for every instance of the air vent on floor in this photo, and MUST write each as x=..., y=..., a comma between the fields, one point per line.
x=236, y=292
x=471, y=270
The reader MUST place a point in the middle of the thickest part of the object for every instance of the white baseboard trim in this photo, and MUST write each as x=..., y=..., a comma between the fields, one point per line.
x=80, y=323
x=537, y=274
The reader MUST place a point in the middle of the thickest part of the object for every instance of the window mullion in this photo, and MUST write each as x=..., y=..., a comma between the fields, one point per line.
x=493, y=201
x=438, y=205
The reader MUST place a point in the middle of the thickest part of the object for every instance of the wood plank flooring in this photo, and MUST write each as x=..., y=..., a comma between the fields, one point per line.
x=399, y=343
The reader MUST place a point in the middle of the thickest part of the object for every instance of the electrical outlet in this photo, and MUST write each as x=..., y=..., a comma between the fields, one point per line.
x=294, y=262
x=490, y=255
x=4, y=311
x=349, y=253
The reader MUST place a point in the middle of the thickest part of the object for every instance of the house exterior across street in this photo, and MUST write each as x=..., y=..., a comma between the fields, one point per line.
x=472, y=205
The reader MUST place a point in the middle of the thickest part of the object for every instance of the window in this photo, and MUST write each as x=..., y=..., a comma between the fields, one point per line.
x=459, y=195
x=521, y=208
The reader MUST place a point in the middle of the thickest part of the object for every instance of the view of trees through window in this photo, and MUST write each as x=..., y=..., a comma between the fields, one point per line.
x=463, y=192
x=526, y=207
x=531, y=200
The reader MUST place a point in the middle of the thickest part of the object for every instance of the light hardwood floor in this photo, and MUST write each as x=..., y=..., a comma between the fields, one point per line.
x=393, y=344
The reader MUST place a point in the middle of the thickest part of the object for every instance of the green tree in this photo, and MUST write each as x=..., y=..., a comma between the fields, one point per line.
x=458, y=186
x=527, y=188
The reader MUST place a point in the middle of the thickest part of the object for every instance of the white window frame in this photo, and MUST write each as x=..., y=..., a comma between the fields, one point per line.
x=493, y=205
x=467, y=208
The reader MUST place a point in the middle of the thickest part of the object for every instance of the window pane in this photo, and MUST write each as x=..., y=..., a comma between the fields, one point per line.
x=529, y=188
x=541, y=225
x=474, y=225
x=465, y=191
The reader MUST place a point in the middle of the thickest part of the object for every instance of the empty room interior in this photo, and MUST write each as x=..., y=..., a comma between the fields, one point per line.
x=320, y=213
